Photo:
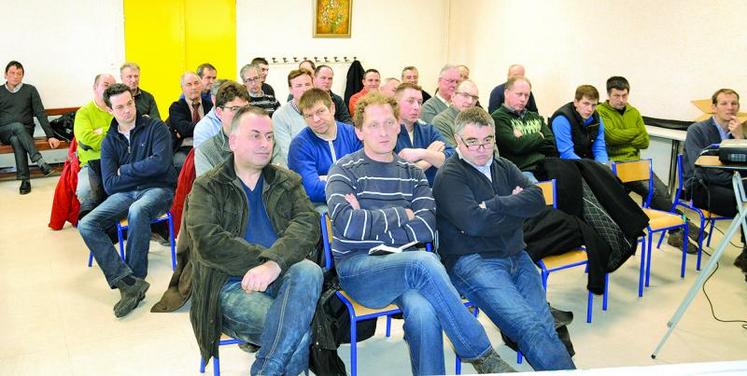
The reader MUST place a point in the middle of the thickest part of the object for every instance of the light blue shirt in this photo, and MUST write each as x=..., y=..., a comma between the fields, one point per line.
x=209, y=126
x=721, y=131
x=561, y=127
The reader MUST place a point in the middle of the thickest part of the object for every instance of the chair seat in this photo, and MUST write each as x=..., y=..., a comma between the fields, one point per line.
x=660, y=219
x=163, y=217
x=573, y=257
x=361, y=310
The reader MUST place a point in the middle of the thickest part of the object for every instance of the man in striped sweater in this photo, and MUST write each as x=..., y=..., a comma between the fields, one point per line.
x=376, y=197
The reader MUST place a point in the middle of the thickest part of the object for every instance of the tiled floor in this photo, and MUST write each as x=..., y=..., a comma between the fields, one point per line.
x=57, y=318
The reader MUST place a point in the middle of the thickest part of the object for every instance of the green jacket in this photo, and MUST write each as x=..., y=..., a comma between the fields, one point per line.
x=216, y=217
x=90, y=127
x=624, y=134
x=535, y=144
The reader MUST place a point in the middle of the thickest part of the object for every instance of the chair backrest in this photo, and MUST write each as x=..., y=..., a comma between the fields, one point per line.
x=548, y=190
x=326, y=227
x=640, y=170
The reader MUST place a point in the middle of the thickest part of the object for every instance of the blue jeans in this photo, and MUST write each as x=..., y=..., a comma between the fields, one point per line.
x=278, y=319
x=140, y=208
x=417, y=283
x=509, y=290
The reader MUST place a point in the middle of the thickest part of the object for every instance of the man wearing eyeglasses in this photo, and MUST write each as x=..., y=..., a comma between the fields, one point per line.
x=448, y=79
x=230, y=98
x=465, y=97
x=375, y=197
x=317, y=147
x=139, y=176
x=482, y=202
x=418, y=142
x=252, y=77
x=522, y=135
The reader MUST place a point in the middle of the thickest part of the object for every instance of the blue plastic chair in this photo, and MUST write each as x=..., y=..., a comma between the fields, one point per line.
x=358, y=312
x=224, y=340
x=659, y=221
x=122, y=225
x=706, y=218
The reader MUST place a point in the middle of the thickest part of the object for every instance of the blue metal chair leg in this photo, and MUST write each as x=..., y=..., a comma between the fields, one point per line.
x=649, y=255
x=684, y=253
x=172, y=241
x=710, y=232
x=589, y=307
x=121, y=242
x=90, y=259
x=388, y=326
x=642, y=268
x=216, y=366
x=353, y=347
x=606, y=291
x=202, y=365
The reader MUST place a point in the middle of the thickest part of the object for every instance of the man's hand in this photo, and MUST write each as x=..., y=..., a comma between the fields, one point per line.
x=350, y=198
x=259, y=277
x=411, y=154
x=437, y=146
x=53, y=142
x=517, y=190
x=410, y=214
x=735, y=128
x=517, y=133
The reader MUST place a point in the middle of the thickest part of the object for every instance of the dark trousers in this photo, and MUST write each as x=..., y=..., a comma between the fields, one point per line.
x=660, y=199
x=717, y=199
x=16, y=135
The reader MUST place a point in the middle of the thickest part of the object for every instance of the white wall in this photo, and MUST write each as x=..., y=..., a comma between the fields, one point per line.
x=63, y=44
x=671, y=51
x=386, y=35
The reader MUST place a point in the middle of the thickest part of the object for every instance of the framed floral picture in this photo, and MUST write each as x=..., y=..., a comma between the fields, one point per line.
x=332, y=18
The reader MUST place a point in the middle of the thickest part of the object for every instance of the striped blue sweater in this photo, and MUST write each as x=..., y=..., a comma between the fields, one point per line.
x=383, y=191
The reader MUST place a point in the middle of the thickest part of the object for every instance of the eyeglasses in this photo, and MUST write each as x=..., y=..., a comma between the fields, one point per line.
x=473, y=145
x=251, y=80
x=468, y=95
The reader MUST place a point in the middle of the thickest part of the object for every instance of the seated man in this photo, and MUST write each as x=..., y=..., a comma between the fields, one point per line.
x=371, y=81
x=139, y=176
x=288, y=120
x=208, y=74
x=251, y=226
x=625, y=136
x=712, y=189
x=250, y=75
x=316, y=148
x=375, y=197
x=90, y=126
x=497, y=94
x=418, y=142
x=465, y=97
x=521, y=134
x=144, y=101
x=19, y=104
x=264, y=69
x=448, y=79
x=389, y=86
x=209, y=125
x=410, y=75
x=230, y=98
x=482, y=203
x=578, y=130
x=323, y=76
x=184, y=114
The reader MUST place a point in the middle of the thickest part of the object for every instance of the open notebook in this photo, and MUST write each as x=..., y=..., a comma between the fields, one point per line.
x=382, y=249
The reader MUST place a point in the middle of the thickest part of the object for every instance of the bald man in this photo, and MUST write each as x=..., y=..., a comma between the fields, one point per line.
x=184, y=115
x=497, y=95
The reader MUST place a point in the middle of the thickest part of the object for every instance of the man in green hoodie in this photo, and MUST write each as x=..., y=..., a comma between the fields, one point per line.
x=625, y=135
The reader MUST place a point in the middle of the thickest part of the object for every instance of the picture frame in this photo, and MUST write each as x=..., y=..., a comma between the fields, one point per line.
x=332, y=18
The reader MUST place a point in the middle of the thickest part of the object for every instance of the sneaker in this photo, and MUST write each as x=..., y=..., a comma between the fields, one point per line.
x=131, y=296
x=248, y=347
x=44, y=167
x=675, y=238
x=491, y=363
x=741, y=260
x=25, y=187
